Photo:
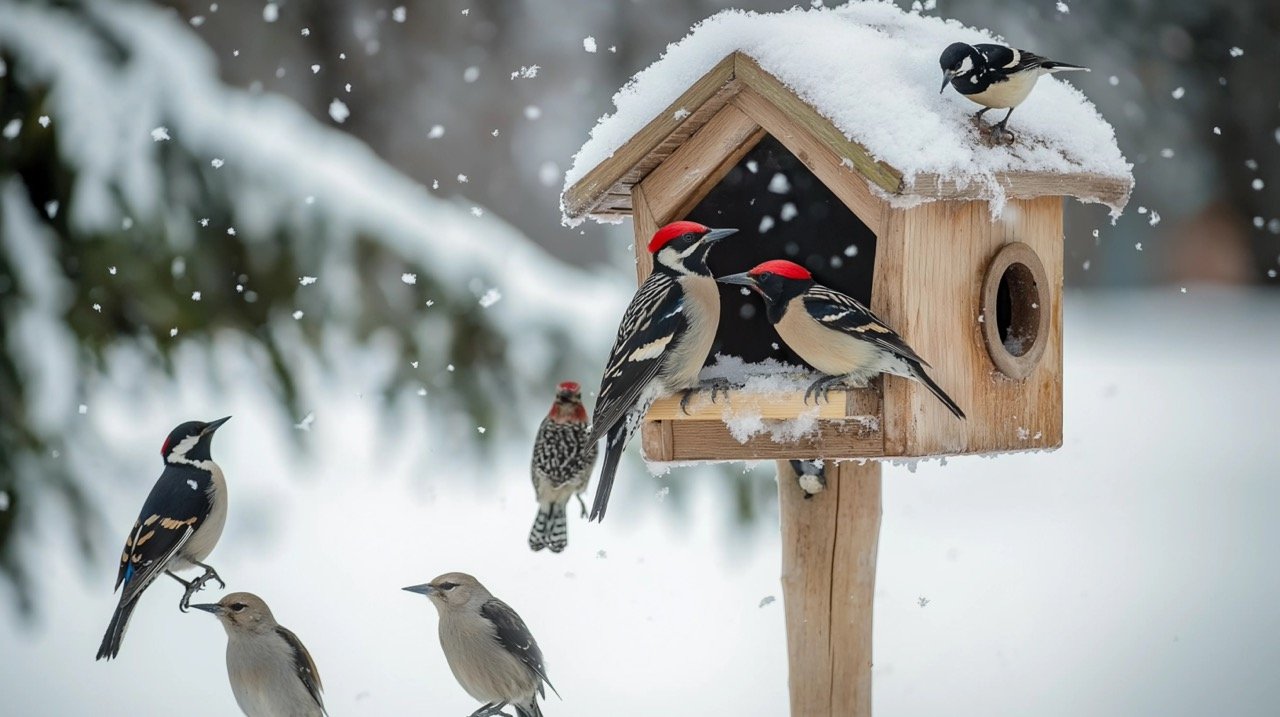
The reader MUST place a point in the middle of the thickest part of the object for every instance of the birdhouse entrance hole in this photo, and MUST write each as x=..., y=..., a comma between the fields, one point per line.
x=1015, y=310
x=783, y=211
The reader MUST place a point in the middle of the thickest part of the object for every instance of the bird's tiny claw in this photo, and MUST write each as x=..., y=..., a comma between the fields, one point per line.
x=685, y=395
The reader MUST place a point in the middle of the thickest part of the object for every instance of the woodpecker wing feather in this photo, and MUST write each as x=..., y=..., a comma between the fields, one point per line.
x=304, y=665
x=652, y=323
x=175, y=508
x=846, y=314
x=1010, y=61
x=514, y=637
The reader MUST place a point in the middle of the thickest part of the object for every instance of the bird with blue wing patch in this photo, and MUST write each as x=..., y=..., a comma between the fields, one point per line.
x=178, y=527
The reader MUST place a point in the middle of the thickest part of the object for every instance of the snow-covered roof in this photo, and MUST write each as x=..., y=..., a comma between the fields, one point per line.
x=870, y=71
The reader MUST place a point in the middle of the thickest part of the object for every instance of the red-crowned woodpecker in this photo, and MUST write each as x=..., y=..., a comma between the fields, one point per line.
x=563, y=457
x=832, y=332
x=995, y=76
x=663, y=341
x=178, y=527
x=271, y=671
x=489, y=648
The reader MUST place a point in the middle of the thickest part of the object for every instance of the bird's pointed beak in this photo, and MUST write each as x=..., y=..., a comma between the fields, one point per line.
x=743, y=279
x=716, y=235
x=946, y=79
x=212, y=426
x=209, y=607
x=423, y=589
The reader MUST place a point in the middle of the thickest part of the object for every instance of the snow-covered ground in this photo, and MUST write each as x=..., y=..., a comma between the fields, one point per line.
x=1130, y=573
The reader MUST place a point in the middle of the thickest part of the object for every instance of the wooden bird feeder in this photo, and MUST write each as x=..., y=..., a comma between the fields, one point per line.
x=967, y=268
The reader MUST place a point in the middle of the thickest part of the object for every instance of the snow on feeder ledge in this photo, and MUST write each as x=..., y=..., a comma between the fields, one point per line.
x=820, y=134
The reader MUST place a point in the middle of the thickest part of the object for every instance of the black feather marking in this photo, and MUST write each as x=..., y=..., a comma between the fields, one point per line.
x=615, y=444
x=936, y=390
x=304, y=666
x=655, y=314
x=515, y=638
x=847, y=315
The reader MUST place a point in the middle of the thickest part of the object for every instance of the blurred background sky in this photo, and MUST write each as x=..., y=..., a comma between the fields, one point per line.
x=338, y=221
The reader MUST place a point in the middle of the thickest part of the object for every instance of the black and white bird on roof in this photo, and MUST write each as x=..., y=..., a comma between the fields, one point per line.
x=996, y=77
x=563, y=457
x=663, y=341
x=178, y=527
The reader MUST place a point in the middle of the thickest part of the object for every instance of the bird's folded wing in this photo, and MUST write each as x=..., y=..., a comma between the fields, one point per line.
x=171, y=513
x=303, y=665
x=846, y=314
x=651, y=323
x=515, y=638
x=1009, y=60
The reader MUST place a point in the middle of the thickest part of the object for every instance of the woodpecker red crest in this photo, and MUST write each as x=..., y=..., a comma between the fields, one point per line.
x=673, y=230
x=783, y=268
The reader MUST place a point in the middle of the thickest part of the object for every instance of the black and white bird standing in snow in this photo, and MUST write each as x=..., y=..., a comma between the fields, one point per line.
x=563, y=456
x=178, y=527
x=663, y=340
x=488, y=647
x=832, y=332
x=271, y=672
x=995, y=76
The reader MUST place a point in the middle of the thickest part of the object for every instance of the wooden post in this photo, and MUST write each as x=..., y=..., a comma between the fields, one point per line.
x=829, y=545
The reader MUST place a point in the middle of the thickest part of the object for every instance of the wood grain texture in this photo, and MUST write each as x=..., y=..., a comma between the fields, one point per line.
x=580, y=198
x=779, y=405
x=817, y=156
x=683, y=179
x=829, y=548
x=711, y=441
x=1112, y=191
x=946, y=247
x=644, y=226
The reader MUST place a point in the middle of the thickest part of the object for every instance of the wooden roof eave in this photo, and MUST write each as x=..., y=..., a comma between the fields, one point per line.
x=605, y=190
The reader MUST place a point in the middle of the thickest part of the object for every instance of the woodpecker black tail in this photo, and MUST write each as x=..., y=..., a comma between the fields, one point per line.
x=936, y=390
x=615, y=443
x=1054, y=66
x=115, y=631
x=550, y=528
x=530, y=710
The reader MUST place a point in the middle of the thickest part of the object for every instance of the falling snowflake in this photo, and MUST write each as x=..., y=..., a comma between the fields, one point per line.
x=305, y=423
x=663, y=492
x=1178, y=93
x=549, y=174
x=409, y=278
x=680, y=114
x=338, y=111
x=195, y=296
x=477, y=212
x=271, y=12
x=44, y=120
x=204, y=221
x=315, y=69
x=297, y=315
x=589, y=43
x=83, y=409
x=1257, y=185
x=12, y=128
x=480, y=429
x=471, y=74
x=766, y=223
x=160, y=134
x=491, y=297
x=398, y=13
x=1063, y=8
x=173, y=332
x=436, y=132
x=216, y=162
x=779, y=184
x=1235, y=52
x=111, y=270
x=306, y=280
x=526, y=72
x=532, y=112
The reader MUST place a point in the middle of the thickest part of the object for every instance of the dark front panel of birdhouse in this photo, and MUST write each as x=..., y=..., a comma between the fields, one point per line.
x=783, y=212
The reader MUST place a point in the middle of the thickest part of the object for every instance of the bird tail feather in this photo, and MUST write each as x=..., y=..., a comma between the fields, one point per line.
x=936, y=390
x=115, y=631
x=614, y=445
x=530, y=710
x=550, y=528
x=1063, y=67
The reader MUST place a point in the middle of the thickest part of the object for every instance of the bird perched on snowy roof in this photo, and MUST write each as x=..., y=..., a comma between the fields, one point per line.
x=490, y=650
x=178, y=527
x=663, y=340
x=995, y=76
x=563, y=456
x=832, y=332
x=271, y=671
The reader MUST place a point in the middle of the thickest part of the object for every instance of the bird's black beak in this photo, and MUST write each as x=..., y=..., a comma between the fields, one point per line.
x=212, y=426
x=716, y=235
x=423, y=589
x=947, y=75
x=743, y=279
x=210, y=607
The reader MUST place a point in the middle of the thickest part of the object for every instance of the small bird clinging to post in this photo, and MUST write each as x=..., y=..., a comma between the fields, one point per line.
x=995, y=76
x=178, y=527
x=271, y=672
x=490, y=650
x=663, y=341
x=563, y=457
x=832, y=332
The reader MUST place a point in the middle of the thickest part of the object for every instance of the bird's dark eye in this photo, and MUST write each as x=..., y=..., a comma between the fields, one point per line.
x=448, y=586
x=237, y=607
